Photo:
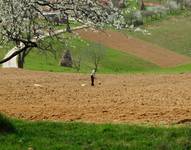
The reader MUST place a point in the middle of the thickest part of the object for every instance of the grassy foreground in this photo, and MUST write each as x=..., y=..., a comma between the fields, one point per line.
x=82, y=136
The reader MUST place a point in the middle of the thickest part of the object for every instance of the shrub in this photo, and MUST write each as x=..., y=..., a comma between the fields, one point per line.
x=6, y=125
x=137, y=18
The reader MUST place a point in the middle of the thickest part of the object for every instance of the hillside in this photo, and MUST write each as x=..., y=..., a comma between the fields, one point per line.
x=167, y=46
x=172, y=33
x=114, y=61
x=144, y=50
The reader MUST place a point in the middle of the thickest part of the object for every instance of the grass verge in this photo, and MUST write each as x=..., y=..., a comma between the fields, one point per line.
x=81, y=136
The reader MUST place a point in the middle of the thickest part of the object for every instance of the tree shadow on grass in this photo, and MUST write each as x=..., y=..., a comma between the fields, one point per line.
x=6, y=126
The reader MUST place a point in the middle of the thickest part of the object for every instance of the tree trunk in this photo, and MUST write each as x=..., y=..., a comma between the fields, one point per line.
x=68, y=29
x=21, y=58
x=142, y=5
x=20, y=61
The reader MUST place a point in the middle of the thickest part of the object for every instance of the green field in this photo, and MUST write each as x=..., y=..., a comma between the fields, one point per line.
x=27, y=135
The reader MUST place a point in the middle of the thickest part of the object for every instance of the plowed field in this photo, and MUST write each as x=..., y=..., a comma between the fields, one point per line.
x=115, y=98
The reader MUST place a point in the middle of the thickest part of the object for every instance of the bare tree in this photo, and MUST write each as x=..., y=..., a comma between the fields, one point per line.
x=96, y=54
x=21, y=21
x=78, y=50
x=77, y=62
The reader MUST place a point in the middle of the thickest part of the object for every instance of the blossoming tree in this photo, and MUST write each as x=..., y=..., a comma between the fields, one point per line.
x=21, y=21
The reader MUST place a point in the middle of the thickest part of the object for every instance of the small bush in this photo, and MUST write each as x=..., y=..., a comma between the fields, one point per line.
x=137, y=18
x=6, y=125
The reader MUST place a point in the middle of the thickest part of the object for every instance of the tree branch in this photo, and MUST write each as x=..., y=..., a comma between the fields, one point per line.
x=14, y=54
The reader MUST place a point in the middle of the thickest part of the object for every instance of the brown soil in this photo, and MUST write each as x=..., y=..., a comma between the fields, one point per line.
x=115, y=98
x=147, y=51
x=152, y=4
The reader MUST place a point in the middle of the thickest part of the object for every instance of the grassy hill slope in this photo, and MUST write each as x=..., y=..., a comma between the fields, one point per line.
x=173, y=33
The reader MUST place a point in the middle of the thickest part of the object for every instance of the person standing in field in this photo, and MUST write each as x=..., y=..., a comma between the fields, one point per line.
x=93, y=77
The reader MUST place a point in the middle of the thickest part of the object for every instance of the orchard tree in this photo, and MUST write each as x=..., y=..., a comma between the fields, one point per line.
x=96, y=53
x=23, y=23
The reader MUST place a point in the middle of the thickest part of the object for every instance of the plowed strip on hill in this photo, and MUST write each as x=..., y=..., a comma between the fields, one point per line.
x=144, y=50
x=115, y=98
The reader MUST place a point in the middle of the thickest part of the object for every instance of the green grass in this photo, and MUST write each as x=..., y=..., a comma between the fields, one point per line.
x=82, y=136
x=178, y=69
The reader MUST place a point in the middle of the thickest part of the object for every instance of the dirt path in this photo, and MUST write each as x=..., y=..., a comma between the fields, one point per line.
x=147, y=51
x=122, y=98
